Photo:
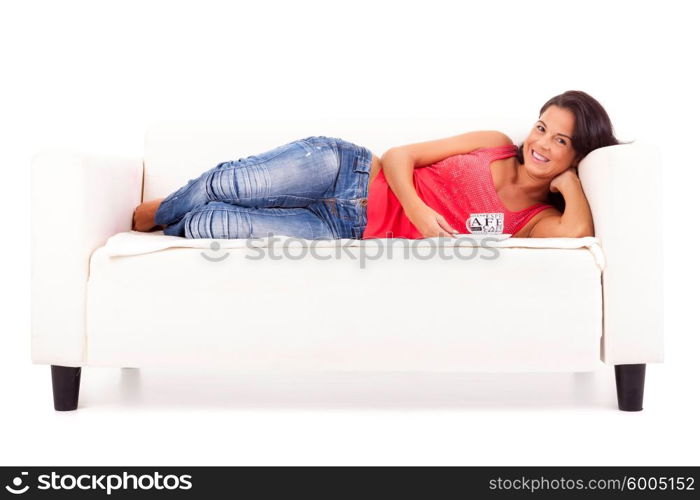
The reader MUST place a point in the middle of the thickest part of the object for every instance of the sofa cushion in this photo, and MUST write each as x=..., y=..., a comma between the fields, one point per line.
x=176, y=302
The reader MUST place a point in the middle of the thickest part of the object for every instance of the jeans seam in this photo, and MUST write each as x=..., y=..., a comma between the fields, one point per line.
x=328, y=226
x=246, y=212
x=226, y=228
x=207, y=188
x=210, y=223
x=190, y=225
x=249, y=224
x=220, y=182
x=312, y=200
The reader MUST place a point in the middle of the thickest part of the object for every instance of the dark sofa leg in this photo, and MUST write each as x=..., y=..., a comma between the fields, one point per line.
x=630, y=386
x=66, y=386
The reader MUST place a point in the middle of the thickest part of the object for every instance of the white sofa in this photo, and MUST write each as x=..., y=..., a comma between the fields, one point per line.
x=104, y=295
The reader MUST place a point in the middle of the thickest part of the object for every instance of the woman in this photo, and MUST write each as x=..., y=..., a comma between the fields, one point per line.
x=327, y=188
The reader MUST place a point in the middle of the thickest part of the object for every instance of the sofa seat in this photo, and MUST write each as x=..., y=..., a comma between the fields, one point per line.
x=155, y=300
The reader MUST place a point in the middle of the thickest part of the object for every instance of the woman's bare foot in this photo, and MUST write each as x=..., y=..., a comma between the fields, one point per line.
x=144, y=216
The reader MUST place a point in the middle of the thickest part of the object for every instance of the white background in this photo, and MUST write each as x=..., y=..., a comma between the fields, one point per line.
x=92, y=75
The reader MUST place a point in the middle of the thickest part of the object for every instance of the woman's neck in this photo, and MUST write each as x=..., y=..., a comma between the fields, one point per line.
x=534, y=187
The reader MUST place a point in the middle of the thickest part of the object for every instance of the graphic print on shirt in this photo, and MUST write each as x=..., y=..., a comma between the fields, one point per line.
x=485, y=223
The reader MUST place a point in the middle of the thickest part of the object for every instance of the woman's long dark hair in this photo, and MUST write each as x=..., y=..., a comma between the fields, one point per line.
x=592, y=130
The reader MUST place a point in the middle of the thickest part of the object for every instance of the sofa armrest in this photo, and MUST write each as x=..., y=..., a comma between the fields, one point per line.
x=77, y=202
x=623, y=187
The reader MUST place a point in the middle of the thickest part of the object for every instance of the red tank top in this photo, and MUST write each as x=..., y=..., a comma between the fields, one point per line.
x=460, y=188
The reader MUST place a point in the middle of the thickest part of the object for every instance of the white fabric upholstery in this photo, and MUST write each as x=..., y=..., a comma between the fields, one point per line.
x=106, y=296
x=77, y=202
x=527, y=310
x=623, y=187
x=135, y=243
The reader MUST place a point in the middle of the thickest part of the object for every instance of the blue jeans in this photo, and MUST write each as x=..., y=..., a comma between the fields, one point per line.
x=313, y=188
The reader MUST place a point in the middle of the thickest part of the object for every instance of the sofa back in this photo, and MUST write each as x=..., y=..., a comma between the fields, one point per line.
x=177, y=151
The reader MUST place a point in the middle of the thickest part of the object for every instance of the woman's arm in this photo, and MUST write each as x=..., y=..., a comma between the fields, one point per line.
x=576, y=221
x=399, y=163
x=398, y=167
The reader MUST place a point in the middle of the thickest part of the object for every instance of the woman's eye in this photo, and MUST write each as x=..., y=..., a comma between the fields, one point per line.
x=539, y=127
x=562, y=142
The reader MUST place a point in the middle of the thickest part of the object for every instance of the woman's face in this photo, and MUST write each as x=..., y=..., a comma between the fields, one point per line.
x=550, y=137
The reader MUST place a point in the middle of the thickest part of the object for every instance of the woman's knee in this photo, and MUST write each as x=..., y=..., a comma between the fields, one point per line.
x=217, y=220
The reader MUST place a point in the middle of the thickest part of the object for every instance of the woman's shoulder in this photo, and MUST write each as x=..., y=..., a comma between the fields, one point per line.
x=497, y=146
x=490, y=154
x=496, y=141
x=430, y=152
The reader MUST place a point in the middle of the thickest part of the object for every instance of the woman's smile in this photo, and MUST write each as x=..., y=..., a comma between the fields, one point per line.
x=539, y=158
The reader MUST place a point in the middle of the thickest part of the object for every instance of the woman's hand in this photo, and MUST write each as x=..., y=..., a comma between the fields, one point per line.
x=567, y=177
x=577, y=220
x=428, y=222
